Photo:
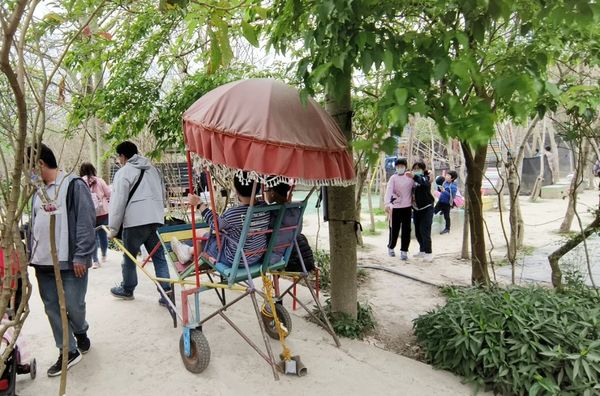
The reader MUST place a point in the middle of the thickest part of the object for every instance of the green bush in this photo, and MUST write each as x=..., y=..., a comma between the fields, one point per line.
x=345, y=326
x=379, y=212
x=517, y=341
x=323, y=260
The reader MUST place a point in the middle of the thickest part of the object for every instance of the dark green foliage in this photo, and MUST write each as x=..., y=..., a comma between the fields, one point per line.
x=522, y=340
x=323, y=261
x=345, y=326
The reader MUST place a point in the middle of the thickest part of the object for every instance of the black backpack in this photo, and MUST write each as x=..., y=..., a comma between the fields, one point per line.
x=293, y=264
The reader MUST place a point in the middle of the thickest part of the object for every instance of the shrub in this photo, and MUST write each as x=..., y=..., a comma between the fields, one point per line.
x=345, y=326
x=522, y=340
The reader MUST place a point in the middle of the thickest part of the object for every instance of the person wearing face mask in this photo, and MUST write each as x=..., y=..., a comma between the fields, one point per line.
x=423, y=209
x=398, y=202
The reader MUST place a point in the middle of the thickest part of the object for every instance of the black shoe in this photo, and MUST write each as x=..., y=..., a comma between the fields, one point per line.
x=56, y=369
x=163, y=301
x=83, y=342
x=445, y=231
x=121, y=293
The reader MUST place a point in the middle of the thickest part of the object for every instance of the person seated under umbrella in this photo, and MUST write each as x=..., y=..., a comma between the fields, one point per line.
x=231, y=223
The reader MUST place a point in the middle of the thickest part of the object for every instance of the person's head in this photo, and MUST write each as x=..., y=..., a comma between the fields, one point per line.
x=419, y=168
x=87, y=169
x=401, y=165
x=451, y=176
x=46, y=163
x=548, y=148
x=125, y=151
x=277, y=194
x=244, y=191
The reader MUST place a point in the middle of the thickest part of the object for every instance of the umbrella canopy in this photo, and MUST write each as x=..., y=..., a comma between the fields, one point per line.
x=261, y=126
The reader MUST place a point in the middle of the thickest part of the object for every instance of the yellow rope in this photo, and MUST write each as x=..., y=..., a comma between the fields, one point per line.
x=268, y=288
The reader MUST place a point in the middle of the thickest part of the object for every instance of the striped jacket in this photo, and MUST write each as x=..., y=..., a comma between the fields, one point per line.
x=231, y=223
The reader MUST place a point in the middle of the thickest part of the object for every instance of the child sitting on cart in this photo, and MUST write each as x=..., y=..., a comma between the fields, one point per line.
x=230, y=225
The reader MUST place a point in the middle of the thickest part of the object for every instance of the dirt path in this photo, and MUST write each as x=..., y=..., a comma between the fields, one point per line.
x=135, y=351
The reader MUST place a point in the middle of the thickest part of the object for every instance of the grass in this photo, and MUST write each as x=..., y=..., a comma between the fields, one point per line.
x=371, y=233
x=525, y=251
x=382, y=224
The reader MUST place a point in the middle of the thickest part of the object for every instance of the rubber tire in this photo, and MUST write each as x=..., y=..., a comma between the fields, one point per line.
x=33, y=369
x=284, y=317
x=200, y=350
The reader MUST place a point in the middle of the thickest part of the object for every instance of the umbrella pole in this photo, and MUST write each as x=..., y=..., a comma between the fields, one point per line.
x=213, y=207
x=194, y=235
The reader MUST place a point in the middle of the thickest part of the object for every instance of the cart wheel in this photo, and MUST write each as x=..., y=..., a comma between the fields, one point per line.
x=199, y=358
x=283, y=316
x=33, y=369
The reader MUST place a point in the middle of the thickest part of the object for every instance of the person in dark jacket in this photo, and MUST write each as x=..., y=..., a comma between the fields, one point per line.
x=422, y=209
x=68, y=199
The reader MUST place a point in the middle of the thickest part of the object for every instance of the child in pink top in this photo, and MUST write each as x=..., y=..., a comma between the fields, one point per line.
x=100, y=196
x=398, y=206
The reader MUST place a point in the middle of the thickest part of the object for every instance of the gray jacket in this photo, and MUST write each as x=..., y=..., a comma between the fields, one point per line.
x=147, y=205
x=81, y=220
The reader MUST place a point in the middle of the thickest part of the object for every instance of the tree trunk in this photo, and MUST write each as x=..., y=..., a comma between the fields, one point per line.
x=584, y=148
x=464, y=253
x=571, y=244
x=555, y=159
x=475, y=165
x=361, y=177
x=370, y=199
x=382, y=180
x=341, y=206
x=62, y=304
x=411, y=142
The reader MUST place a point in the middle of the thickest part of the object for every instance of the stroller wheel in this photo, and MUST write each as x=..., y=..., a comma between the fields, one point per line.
x=33, y=369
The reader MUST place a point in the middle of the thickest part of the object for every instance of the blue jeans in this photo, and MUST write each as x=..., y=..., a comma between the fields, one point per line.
x=101, y=238
x=75, y=290
x=133, y=238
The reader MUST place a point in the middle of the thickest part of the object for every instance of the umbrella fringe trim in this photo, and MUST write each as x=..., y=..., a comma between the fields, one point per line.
x=225, y=172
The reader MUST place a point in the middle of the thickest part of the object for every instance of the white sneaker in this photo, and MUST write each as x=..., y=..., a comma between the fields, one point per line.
x=95, y=265
x=182, y=251
x=428, y=257
x=391, y=253
x=419, y=255
x=403, y=255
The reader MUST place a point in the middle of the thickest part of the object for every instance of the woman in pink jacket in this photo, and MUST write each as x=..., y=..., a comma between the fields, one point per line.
x=100, y=196
x=398, y=206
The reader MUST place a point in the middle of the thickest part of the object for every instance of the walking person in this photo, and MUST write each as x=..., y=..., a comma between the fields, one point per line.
x=138, y=205
x=423, y=209
x=67, y=198
x=398, y=202
x=448, y=191
x=100, y=197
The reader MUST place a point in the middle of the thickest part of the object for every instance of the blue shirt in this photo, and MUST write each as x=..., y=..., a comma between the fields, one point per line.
x=447, y=196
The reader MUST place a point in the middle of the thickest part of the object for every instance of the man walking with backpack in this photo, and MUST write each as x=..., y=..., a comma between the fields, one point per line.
x=137, y=205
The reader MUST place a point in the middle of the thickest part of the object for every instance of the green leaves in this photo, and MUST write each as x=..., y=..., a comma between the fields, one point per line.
x=522, y=340
x=250, y=33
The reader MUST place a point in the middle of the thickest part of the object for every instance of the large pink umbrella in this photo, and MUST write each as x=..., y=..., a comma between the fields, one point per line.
x=261, y=125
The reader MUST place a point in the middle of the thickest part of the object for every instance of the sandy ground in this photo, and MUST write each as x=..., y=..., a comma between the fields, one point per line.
x=135, y=349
